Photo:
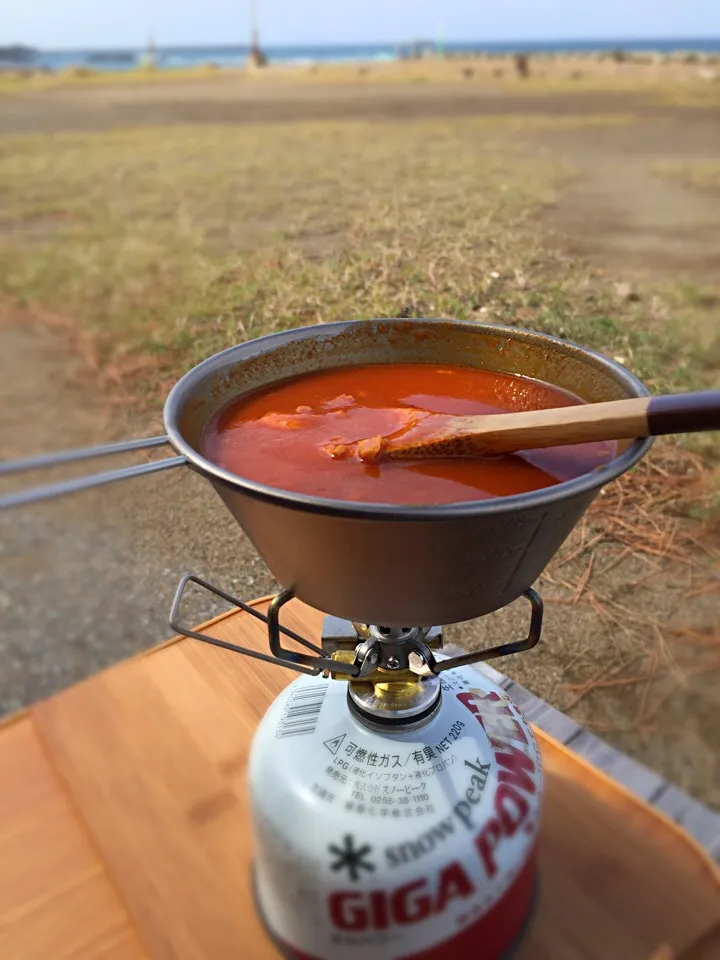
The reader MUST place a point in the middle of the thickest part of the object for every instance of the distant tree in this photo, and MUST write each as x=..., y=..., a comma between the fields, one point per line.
x=256, y=57
x=522, y=65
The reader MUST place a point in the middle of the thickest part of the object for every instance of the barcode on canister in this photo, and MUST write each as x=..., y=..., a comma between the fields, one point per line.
x=302, y=711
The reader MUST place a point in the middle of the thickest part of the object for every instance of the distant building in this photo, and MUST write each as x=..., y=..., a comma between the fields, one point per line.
x=149, y=58
x=16, y=53
x=417, y=50
x=111, y=56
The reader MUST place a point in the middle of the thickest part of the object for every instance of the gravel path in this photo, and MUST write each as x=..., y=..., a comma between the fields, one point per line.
x=227, y=99
x=88, y=580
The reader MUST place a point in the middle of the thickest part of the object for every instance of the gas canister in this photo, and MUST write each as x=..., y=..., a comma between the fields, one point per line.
x=395, y=818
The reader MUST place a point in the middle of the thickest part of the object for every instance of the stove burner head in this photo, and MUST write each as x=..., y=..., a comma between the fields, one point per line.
x=396, y=651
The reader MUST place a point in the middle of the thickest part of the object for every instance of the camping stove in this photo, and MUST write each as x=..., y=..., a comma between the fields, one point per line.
x=395, y=795
x=395, y=790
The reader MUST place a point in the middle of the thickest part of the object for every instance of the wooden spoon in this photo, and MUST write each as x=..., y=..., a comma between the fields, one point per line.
x=437, y=436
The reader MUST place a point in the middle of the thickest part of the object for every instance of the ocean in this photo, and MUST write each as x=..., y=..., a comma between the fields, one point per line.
x=236, y=56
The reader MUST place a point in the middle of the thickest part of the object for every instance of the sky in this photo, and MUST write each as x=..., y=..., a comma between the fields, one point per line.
x=58, y=24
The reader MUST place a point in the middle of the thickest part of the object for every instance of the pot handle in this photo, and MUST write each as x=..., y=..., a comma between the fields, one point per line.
x=504, y=649
x=46, y=461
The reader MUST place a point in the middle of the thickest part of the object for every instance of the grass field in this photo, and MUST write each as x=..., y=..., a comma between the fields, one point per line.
x=161, y=244
x=548, y=73
x=704, y=174
x=173, y=243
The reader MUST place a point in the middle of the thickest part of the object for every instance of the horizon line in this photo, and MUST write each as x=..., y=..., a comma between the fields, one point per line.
x=613, y=41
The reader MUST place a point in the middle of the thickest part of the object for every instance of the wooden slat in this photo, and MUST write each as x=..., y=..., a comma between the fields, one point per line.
x=706, y=948
x=55, y=897
x=640, y=779
x=609, y=865
x=154, y=753
x=698, y=820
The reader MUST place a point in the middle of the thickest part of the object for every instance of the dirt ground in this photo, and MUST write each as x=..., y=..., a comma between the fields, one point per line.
x=88, y=580
x=625, y=217
x=228, y=100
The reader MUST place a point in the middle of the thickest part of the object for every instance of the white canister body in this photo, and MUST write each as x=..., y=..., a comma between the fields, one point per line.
x=408, y=845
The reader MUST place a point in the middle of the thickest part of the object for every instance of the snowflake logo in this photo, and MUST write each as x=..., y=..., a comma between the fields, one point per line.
x=350, y=858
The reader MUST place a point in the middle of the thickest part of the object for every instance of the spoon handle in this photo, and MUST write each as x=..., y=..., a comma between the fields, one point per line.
x=477, y=436
x=684, y=413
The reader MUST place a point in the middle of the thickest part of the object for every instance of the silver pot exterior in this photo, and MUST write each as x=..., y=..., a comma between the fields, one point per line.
x=385, y=564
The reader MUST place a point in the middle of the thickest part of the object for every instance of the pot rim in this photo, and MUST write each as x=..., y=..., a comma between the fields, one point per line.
x=586, y=483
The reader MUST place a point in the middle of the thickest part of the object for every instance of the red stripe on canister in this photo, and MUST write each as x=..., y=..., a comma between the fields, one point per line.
x=494, y=933
x=491, y=936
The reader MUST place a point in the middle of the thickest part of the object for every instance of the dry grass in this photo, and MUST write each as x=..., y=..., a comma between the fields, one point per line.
x=181, y=241
x=631, y=646
x=645, y=519
x=667, y=78
x=703, y=174
x=690, y=93
x=155, y=248
x=13, y=82
x=173, y=243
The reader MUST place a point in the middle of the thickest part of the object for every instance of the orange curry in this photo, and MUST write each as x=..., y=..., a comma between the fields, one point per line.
x=280, y=436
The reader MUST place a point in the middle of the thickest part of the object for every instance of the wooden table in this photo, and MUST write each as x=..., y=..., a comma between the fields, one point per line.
x=124, y=826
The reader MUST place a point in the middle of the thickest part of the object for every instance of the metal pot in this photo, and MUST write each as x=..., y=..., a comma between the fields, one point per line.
x=400, y=565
